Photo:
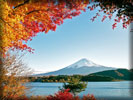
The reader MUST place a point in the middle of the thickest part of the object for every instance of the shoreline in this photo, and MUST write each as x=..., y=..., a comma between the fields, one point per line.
x=86, y=81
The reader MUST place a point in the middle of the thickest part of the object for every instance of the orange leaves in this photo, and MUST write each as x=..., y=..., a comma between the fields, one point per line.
x=121, y=9
x=66, y=95
x=124, y=25
x=110, y=16
x=24, y=20
x=93, y=19
x=114, y=25
x=88, y=97
x=91, y=8
x=104, y=17
x=14, y=76
x=61, y=95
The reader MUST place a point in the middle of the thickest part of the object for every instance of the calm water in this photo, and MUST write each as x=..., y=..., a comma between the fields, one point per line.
x=98, y=89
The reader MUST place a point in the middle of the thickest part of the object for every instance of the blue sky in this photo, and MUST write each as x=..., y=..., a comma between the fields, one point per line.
x=79, y=38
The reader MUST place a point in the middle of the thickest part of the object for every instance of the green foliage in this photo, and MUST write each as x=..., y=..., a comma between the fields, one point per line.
x=109, y=75
x=75, y=85
x=119, y=74
x=97, y=78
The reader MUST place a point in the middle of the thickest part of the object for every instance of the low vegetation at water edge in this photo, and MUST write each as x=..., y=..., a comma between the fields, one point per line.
x=60, y=95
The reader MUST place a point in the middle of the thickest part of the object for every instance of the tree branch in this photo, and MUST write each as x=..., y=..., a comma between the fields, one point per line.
x=36, y=11
x=27, y=1
x=32, y=11
x=9, y=24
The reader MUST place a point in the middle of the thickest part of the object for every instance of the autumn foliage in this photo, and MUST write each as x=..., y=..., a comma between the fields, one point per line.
x=88, y=97
x=120, y=9
x=24, y=20
x=14, y=77
x=61, y=95
x=66, y=95
x=21, y=20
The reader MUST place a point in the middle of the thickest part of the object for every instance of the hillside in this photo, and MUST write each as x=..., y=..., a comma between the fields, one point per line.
x=110, y=75
x=120, y=74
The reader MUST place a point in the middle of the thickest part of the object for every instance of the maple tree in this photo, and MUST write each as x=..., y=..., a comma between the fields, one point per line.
x=21, y=20
x=122, y=9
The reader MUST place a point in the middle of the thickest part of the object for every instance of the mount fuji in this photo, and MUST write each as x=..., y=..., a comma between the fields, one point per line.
x=81, y=67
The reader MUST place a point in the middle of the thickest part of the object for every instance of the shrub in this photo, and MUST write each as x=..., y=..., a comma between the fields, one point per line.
x=61, y=95
x=75, y=86
x=14, y=77
x=88, y=97
x=66, y=95
x=37, y=98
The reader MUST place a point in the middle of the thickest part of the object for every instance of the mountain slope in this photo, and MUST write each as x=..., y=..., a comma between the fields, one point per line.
x=81, y=67
x=119, y=74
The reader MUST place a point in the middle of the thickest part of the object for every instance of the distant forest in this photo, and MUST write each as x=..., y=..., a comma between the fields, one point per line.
x=110, y=75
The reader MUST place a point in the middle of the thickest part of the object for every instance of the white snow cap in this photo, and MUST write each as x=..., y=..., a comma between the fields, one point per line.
x=81, y=63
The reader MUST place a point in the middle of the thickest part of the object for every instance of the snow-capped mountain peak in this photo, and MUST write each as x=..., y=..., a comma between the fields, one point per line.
x=81, y=67
x=81, y=63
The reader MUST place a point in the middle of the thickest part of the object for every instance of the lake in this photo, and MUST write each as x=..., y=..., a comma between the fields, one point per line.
x=98, y=89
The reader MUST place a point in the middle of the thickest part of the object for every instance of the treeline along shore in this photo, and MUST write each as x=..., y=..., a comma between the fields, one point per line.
x=110, y=75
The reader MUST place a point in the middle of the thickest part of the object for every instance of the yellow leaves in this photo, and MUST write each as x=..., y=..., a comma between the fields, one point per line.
x=12, y=67
x=11, y=27
x=22, y=19
x=12, y=30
